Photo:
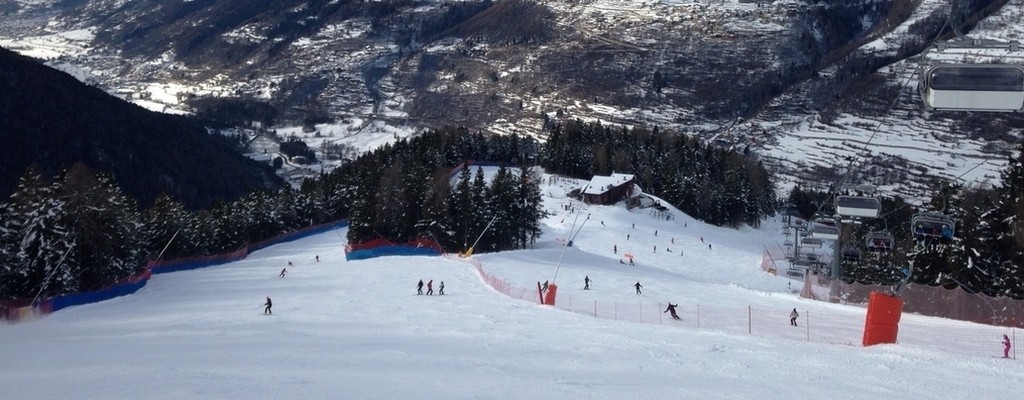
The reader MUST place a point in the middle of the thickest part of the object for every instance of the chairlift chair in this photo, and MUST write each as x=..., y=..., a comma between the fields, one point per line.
x=851, y=253
x=811, y=242
x=933, y=224
x=857, y=206
x=824, y=232
x=879, y=241
x=963, y=86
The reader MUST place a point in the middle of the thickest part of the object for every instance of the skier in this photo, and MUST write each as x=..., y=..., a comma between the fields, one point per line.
x=1006, y=346
x=440, y=289
x=544, y=288
x=672, y=310
x=638, y=286
x=317, y=258
x=615, y=249
x=430, y=287
x=283, y=271
x=631, y=261
x=268, y=304
x=586, y=282
x=289, y=263
x=419, y=287
x=793, y=316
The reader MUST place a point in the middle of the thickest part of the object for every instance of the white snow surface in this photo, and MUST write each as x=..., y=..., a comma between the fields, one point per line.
x=357, y=330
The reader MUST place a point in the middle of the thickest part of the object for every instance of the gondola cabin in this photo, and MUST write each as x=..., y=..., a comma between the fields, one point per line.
x=933, y=224
x=879, y=241
x=974, y=87
x=857, y=206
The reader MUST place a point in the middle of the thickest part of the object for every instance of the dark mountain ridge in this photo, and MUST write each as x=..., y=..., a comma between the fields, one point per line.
x=50, y=119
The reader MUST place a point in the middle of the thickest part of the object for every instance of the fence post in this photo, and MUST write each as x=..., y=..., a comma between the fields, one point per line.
x=750, y=329
x=698, y=316
x=595, y=308
x=1013, y=332
x=807, y=321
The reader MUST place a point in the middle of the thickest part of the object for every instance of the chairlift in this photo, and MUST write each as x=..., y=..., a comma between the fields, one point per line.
x=994, y=87
x=933, y=224
x=857, y=206
x=879, y=241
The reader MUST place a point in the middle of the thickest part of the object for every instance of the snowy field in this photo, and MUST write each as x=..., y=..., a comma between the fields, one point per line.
x=357, y=330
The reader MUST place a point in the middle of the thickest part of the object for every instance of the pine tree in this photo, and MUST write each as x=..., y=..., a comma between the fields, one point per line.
x=530, y=207
x=35, y=222
x=105, y=226
x=168, y=219
x=460, y=205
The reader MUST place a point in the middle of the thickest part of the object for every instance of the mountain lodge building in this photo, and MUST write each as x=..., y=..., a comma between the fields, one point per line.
x=608, y=190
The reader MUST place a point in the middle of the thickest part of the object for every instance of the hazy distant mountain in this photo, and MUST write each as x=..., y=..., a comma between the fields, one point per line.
x=807, y=85
x=51, y=119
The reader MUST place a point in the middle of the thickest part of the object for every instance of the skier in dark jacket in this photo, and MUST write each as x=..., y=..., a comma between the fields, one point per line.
x=419, y=287
x=672, y=310
x=430, y=287
x=638, y=286
x=268, y=304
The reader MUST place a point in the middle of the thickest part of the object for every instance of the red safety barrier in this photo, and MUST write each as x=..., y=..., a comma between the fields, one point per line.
x=549, y=297
x=882, y=323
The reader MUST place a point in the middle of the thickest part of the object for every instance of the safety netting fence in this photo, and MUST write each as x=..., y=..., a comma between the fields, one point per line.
x=17, y=310
x=811, y=326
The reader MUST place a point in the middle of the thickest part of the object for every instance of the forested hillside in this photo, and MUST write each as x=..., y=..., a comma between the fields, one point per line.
x=51, y=120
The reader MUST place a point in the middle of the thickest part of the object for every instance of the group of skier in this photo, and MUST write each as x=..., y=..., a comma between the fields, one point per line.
x=430, y=288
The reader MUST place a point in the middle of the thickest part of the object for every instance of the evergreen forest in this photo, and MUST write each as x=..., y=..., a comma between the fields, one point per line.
x=78, y=231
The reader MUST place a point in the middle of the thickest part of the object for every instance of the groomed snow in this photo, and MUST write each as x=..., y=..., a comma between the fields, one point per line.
x=357, y=330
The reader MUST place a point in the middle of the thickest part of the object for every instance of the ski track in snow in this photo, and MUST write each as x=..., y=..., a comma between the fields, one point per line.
x=357, y=329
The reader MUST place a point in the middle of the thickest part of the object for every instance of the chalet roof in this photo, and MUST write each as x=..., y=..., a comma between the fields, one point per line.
x=600, y=184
